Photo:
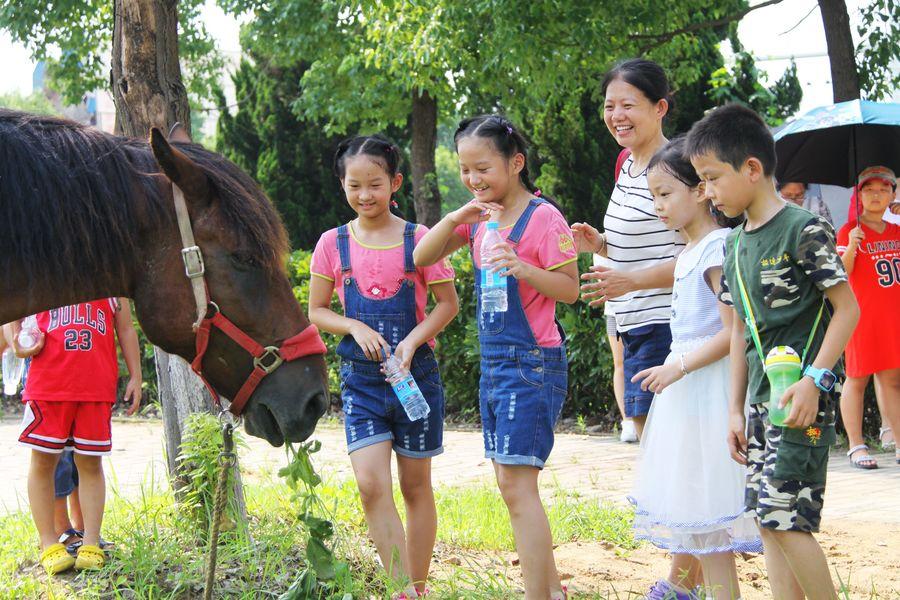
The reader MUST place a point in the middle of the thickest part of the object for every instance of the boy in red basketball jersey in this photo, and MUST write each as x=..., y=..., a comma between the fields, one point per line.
x=69, y=395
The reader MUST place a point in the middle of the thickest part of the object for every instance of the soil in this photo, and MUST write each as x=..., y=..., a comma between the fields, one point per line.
x=865, y=556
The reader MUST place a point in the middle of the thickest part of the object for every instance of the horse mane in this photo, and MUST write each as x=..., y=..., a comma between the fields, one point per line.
x=73, y=200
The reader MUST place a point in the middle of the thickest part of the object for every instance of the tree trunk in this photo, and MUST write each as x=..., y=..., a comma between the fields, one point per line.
x=426, y=195
x=841, y=54
x=148, y=92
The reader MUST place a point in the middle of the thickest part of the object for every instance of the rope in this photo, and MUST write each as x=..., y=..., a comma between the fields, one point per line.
x=227, y=460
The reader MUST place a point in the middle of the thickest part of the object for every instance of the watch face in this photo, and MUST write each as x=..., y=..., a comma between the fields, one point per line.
x=827, y=380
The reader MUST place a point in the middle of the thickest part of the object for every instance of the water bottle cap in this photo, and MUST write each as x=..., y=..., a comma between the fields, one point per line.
x=782, y=355
x=493, y=225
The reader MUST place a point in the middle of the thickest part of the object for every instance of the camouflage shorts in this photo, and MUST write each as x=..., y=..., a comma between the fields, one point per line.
x=786, y=470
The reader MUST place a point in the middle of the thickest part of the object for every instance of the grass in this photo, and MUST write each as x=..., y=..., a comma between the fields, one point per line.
x=160, y=553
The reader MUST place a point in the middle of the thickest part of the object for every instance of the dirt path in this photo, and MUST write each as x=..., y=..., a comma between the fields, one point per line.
x=861, y=522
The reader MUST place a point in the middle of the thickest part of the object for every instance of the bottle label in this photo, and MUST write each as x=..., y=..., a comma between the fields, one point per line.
x=406, y=389
x=490, y=279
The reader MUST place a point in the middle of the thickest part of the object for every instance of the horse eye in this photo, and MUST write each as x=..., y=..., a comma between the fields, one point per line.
x=243, y=260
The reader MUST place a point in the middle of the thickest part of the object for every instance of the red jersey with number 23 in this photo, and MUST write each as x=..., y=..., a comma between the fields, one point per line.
x=875, y=343
x=78, y=361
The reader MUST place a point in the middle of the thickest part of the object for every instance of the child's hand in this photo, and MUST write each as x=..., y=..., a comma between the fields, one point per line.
x=508, y=261
x=658, y=378
x=856, y=236
x=474, y=211
x=370, y=341
x=895, y=207
x=28, y=352
x=587, y=238
x=133, y=391
x=805, y=398
x=610, y=283
x=405, y=352
x=737, y=438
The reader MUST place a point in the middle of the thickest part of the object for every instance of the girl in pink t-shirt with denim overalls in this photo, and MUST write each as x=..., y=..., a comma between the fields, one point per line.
x=369, y=262
x=524, y=372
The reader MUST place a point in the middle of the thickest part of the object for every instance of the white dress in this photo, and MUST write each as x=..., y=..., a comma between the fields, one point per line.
x=689, y=493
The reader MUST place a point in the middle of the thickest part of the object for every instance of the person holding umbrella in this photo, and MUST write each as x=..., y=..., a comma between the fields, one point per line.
x=870, y=251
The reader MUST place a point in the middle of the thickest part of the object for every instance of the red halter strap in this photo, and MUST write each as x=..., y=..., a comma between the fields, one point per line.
x=265, y=359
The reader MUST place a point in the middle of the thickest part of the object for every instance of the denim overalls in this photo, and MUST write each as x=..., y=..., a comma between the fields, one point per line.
x=523, y=385
x=373, y=413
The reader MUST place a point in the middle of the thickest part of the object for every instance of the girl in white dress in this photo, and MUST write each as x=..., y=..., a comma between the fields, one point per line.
x=689, y=494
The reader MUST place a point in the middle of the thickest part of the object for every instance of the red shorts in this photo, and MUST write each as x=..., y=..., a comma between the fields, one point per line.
x=53, y=426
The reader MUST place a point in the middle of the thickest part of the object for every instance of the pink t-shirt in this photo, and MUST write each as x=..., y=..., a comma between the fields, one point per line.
x=546, y=243
x=378, y=270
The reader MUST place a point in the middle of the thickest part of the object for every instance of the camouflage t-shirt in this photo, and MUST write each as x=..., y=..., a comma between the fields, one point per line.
x=786, y=265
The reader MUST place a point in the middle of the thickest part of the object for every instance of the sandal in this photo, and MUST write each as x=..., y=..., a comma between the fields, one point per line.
x=889, y=445
x=55, y=559
x=74, y=546
x=89, y=557
x=864, y=462
x=71, y=539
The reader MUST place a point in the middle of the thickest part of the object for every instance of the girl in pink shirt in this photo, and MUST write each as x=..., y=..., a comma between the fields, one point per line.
x=369, y=262
x=523, y=355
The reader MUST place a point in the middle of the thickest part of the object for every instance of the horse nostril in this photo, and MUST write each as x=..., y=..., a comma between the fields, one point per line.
x=315, y=406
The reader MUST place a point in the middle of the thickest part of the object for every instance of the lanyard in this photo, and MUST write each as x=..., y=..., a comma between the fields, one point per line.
x=750, y=318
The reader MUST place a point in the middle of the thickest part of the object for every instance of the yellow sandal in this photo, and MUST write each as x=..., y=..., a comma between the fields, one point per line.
x=55, y=559
x=89, y=557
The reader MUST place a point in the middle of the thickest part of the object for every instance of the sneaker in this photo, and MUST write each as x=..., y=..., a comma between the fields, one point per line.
x=663, y=590
x=629, y=433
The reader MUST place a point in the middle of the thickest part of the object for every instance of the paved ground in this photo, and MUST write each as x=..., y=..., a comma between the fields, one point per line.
x=598, y=466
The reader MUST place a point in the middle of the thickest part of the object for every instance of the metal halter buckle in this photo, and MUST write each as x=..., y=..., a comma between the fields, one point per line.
x=193, y=262
x=271, y=352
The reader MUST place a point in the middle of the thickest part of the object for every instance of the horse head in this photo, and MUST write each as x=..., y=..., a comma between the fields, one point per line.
x=244, y=248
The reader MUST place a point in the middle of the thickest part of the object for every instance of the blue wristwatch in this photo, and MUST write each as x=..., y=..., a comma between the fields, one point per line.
x=823, y=378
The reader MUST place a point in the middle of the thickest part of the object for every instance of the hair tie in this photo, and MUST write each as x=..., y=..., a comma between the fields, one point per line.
x=394, y=204
x=509, y=129
x=537, y=193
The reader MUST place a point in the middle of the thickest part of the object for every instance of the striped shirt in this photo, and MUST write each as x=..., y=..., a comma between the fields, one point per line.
x=636, y=239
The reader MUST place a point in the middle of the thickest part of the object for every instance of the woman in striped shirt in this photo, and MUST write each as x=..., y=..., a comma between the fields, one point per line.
x=642, y=252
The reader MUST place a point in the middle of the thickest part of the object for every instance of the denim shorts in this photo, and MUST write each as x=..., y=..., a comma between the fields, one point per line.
x=521, y=396
x=373, y=414
x=646, y=346
x=66, y=477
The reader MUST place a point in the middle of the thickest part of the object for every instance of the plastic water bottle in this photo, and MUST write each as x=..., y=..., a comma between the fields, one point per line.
x=406, y=388
x=493, y=286
x=13, y=369
x=783, y=371
x=29, y=334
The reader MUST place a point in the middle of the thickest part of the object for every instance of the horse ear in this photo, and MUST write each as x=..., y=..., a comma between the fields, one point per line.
x=179, y=134
x=180, y=169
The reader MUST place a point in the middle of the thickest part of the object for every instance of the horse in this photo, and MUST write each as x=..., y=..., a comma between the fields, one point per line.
x=85, y=214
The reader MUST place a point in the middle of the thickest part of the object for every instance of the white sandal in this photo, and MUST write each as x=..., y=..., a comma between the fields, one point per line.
x=887, y=446
x=866, y=462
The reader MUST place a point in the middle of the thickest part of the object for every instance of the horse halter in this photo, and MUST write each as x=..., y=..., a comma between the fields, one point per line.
x=266, y=359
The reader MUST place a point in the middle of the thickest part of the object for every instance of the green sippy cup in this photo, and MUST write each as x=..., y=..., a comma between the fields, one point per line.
x=783, y=370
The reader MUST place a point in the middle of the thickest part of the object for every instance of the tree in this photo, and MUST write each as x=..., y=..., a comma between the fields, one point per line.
x=878, y=52
x=841, y=55
x=743, y=83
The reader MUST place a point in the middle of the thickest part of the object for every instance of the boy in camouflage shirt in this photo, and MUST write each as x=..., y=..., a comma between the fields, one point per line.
x=786, y=268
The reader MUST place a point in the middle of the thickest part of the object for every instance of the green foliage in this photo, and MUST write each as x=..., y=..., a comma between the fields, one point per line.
x=743, y=84
x=878, y=52
x=453, y=193
x=35, y=102
x=288, y=155
x=199, y=459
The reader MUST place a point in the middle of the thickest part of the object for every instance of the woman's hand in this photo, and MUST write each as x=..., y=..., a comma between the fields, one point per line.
x=28, y=352
x=656, y=379
x=508, y=261
x=588, y=239
x=473, y=212
x=610, y=283
x=370, y=341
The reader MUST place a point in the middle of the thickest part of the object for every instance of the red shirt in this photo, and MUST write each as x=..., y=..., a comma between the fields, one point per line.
x=875, y=344
x=78, y=361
